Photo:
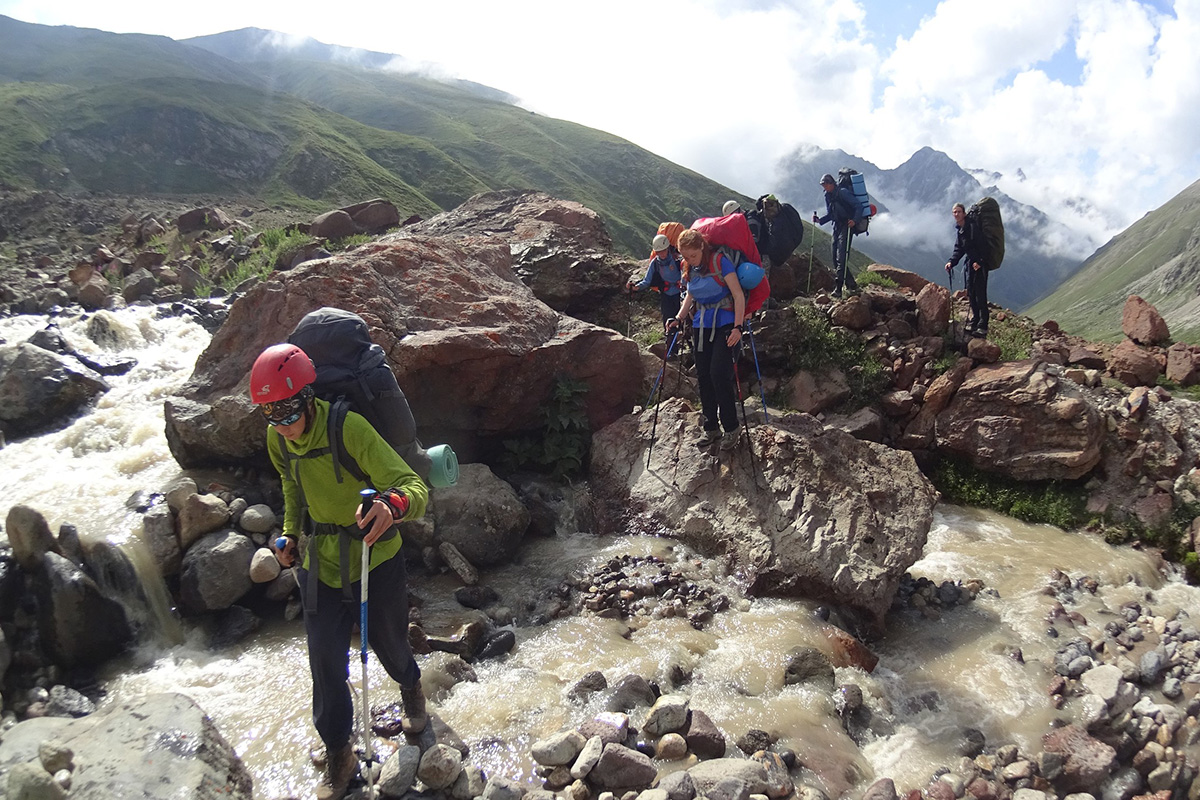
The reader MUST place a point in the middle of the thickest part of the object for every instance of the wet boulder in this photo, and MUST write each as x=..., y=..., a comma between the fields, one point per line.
x=79, y=624
x=481, y=516
x=216, y=572
x=40, y=389
x=816, y=513
x=163, y=745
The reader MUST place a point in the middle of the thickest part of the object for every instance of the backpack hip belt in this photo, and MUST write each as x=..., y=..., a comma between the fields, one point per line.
x=344, y=533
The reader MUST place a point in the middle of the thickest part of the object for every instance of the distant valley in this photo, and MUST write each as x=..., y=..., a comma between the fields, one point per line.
x=913, y=228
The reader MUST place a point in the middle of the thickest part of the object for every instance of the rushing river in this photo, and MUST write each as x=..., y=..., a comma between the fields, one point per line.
x=935, y=677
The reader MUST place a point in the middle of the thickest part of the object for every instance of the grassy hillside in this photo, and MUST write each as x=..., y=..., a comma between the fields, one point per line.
x=510, y=148
x=131, y=114
x=86, y=57
x=182, y=136
x=1158, y=258
x=84, y=109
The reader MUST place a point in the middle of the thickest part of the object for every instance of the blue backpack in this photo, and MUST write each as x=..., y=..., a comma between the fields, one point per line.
x=853, y=180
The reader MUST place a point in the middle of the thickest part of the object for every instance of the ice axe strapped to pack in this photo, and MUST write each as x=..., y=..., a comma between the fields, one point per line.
x=353, y=375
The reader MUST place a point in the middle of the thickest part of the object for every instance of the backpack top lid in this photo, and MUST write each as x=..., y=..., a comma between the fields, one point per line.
x=338, y=342
x=732, y=231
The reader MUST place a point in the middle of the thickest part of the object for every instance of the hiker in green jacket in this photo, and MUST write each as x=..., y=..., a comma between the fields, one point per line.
x=329, y=511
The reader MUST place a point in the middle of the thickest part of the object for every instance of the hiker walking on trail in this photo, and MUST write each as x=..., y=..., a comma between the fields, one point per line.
x=719, y=305
x=839, y=209
x=329, y=513
x=969, y=242
x=663, y=273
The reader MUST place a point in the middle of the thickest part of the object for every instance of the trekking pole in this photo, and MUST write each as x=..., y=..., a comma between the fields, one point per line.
x=950, y=283
x=811, y=244
x=758, y=372
x=663, y=370
x=745, y=419
x=368, y=499
x=654, y=425
x=629, y=310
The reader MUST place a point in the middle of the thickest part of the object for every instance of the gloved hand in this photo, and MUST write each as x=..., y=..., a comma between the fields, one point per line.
x=816, y=219
x=377, y=520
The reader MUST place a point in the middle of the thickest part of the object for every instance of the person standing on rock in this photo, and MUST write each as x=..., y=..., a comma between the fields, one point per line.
x=664, y=273
x=969, y=242
x=715, y=294
x=839, y=209
x=325, y=504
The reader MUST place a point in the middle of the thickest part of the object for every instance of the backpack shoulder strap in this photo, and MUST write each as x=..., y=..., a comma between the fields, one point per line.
x=337, y=444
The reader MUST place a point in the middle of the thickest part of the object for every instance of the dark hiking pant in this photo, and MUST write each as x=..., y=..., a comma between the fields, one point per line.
x=976, y=281
x=841, y=251
x=328, y=631
x=669, y=305
x=714, y=373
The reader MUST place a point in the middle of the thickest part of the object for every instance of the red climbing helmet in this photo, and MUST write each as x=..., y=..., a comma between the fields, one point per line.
x=280, y=372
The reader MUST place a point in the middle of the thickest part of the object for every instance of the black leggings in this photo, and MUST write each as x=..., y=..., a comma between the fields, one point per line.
x=329, y=632
x=714, y=372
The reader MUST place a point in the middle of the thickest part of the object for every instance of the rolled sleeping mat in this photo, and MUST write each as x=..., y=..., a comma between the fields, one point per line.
x=443, y=471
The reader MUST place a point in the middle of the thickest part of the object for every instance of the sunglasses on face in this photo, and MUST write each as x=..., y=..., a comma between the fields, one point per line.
x=283, y=412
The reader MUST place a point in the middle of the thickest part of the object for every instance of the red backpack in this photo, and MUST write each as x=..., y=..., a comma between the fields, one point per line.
x=732, y=233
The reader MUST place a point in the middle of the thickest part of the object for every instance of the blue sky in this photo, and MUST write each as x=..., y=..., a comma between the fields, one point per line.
x=1088, y=98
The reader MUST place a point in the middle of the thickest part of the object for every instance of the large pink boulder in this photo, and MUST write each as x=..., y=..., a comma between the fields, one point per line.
x=1142, y=323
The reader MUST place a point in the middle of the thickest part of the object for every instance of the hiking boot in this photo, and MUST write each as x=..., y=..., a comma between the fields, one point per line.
x=415, y=718
x=708, y=437
x=837, y=294
x=979, y=333
x=730, y=439
x=340, y=769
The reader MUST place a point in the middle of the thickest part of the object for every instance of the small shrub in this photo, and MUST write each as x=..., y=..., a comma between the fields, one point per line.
x=276, y=246
x=869, y=278
x=820, y=347
x=560, y=448
x=1014, y=341
x=1191, y=566
x=1059, y=503
x=1185, y=392
x=349, y=242
x=158, y=244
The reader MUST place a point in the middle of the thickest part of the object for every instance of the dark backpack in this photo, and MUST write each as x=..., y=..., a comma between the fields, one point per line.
x=787, y=232
x=984, y=218
x=353, y=375
x=853, y=180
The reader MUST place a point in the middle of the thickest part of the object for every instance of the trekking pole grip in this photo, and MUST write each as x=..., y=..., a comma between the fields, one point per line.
x=368, y=499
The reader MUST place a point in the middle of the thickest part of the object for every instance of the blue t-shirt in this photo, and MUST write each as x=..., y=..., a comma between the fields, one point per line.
x=709, y=291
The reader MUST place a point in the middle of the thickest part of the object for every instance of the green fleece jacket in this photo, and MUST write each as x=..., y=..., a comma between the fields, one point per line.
x=333, y=502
